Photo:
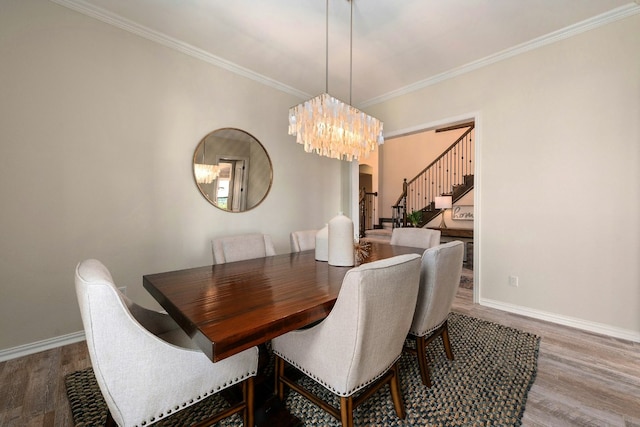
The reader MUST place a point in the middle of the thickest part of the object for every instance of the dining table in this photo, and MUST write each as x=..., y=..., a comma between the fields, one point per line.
x=228, y=308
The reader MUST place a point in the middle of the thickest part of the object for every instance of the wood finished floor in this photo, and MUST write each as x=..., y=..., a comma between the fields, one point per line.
x=583, y=379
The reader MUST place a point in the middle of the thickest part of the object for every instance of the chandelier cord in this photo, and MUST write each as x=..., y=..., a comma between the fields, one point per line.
x=330, y=127
x=326, y=73
x=351, y=52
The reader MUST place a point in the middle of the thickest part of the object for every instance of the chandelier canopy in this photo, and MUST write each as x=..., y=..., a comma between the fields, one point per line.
x=332, y=128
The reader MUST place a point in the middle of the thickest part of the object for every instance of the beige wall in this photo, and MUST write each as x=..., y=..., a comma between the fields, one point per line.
x=559, y=139
x=98, y=128
x=97, y=133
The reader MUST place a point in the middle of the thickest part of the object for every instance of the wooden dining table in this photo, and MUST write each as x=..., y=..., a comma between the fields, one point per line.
x=227, y=308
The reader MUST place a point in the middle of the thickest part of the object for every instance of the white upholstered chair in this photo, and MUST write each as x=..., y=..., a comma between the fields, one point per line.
x=439, y=281
x=424, y=238
x=359, y=343
x=146, y=367
x=241, y=247
x=304, y=240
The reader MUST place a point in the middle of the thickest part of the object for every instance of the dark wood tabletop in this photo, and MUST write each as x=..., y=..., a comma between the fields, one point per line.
x=230, y=307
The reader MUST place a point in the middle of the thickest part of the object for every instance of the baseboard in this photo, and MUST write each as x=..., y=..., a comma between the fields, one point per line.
x=38, y=346
x=598, y=328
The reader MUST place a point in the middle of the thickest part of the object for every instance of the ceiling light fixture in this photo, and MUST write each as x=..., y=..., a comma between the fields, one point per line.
x=205, y=173
x=329, y=127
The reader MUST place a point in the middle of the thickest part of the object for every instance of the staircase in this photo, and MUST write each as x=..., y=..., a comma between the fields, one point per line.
x=449, y=174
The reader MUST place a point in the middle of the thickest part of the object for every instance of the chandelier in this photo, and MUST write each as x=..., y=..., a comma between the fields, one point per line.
x=206, y=174
x=332, y=128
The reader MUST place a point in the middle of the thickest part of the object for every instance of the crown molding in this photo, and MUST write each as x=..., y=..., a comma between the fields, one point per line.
x=142, y=31
x=170, y=42
x=570, y=31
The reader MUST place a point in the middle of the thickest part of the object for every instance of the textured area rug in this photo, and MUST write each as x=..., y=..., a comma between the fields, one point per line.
x=486, y=385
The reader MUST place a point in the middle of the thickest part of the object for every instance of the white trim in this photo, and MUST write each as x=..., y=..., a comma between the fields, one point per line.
x=570, y=31
x=462, y=118
x=477, y=183
x=598, y=328
x=38, y=346
x=477, y=205
x=118, y=21
x=354, y=195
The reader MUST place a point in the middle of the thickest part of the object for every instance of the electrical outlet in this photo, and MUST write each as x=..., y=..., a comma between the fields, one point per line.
x=513, y=281
x=123, y=290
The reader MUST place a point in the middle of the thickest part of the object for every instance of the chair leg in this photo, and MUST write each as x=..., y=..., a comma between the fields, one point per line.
x=346, y=411
x=279, y=372
x=421, y=349
x=446, y=342
x=396, y=395
x=247, y=394
x=110, y=421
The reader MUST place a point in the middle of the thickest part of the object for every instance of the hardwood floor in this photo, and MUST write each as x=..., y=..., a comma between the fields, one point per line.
x=32, y=391
x=583, y=379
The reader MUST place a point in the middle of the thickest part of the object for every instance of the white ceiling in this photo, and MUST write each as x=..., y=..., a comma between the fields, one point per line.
x=397, y=44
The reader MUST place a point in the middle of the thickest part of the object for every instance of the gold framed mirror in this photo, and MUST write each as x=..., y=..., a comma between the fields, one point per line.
x=232, y=170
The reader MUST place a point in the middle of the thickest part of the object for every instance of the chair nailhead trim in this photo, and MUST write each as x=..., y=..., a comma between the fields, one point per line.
x=428, y=331
x=184, y=404
x=331, y=389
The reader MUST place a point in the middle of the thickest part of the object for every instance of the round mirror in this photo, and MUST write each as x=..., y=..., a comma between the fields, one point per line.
x=232, y=170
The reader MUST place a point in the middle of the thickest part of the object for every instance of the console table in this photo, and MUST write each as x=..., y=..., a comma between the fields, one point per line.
x=465, y=235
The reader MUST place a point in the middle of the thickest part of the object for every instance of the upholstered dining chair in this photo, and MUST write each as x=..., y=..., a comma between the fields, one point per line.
x=439, y=281
x=241, y=247
x=146, y=367
x=424, y=238
x=359, y=343
x=304, y=240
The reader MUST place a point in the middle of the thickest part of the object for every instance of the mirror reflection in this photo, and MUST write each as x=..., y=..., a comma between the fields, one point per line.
x=232, y=170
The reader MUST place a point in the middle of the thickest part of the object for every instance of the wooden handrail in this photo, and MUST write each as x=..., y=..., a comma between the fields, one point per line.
x=444, y=153
x=449, y=170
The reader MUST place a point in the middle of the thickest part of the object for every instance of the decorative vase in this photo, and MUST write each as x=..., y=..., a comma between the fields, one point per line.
x=322, y=244
x=341, y=251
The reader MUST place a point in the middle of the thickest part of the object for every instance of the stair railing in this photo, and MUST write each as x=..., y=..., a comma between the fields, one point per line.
x=367, y=210
x=398, y=211
x=439, y=177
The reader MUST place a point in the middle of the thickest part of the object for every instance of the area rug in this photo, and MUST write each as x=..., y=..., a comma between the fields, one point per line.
x=486, y=385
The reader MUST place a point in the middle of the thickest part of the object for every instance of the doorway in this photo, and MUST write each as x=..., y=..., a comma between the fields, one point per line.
x=388, y=159
x=231, y=183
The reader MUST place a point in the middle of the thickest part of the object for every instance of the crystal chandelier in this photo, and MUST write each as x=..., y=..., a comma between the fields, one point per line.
x=332, y=128
x=206, y=174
